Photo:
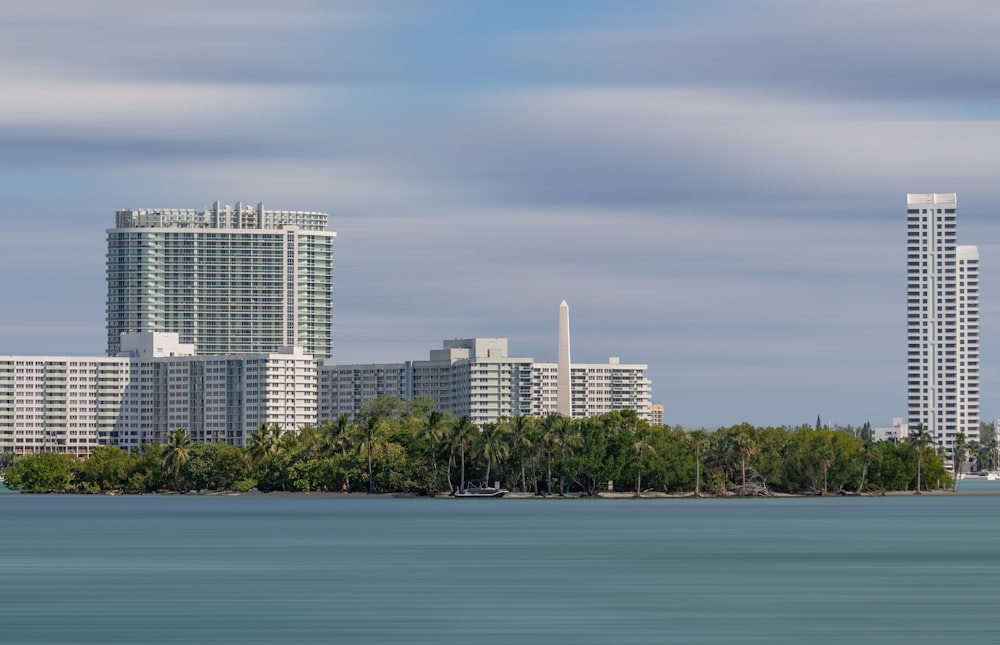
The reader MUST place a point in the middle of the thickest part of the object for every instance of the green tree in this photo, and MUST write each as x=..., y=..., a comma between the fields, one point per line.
x=463, y=433
x=218, y=466
x=699, y=441
x=521, y=432
x=643, y=447
x=341, y=439
x=958, y=455
x=745, y=444
x=106, y=469
x=493, y=446
x=377, y=419
x=434, y=430
x=44, y=472
x=264, y=444
x=177, y=454
x=920, y=440
x=550, y=433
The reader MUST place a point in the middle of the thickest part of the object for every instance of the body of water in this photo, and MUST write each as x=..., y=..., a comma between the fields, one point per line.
x=194, y=569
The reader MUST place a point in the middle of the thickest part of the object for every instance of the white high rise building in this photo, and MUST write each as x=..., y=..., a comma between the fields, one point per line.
x=72, y=404
x=476, y=377
x=942, y=328
x=229, y=280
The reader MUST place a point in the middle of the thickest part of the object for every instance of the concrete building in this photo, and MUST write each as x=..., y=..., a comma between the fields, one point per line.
x=63, y=404
x=156, y=385
x=595, y=388
x=228, y=280
x=656, y=414
x=217, y=399
x=476, y=377
x=469, y=377
x=942, y=322
x=895, y=433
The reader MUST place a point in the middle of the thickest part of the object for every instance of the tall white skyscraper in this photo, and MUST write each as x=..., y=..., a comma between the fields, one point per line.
x=229, y=280
x=942, y=299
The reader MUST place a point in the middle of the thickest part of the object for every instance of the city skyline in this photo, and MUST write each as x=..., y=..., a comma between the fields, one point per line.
x=716, y=192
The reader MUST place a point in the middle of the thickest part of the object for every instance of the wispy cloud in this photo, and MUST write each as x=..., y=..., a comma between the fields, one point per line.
x=717, y=189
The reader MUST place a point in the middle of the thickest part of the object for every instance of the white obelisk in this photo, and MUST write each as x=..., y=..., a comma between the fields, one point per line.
x=564, y=391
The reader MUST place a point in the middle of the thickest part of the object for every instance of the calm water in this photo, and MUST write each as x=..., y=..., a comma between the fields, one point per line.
x=167, y=569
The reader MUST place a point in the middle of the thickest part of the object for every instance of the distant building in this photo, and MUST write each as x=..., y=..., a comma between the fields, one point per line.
x=942, y=322
x=217, y=399
x=62, y=404
x=470, y=377
x=71, y=405
x=895, y=433
x=656, y=414
x=228, y=280
x=595, y=388
x=476, y=377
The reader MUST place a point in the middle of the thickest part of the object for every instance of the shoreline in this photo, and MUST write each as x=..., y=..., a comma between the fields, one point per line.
x=530, y=496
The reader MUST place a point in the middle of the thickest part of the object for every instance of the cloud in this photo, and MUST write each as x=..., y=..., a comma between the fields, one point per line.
x=716, y=190
x=855, y=50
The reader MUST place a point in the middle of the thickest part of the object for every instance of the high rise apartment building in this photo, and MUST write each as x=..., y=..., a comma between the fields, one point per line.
x=72, y=404
x=475, y=377
x=217, y=399
x=942, y=300
x=228, y=280
x=62, y=404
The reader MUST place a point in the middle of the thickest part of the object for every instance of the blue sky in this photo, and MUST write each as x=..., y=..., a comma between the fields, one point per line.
x=716, y=188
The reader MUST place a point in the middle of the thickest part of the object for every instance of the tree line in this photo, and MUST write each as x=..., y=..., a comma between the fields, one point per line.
x=397, y=447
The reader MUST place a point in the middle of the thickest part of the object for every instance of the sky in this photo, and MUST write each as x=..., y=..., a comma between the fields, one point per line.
x=717, y=188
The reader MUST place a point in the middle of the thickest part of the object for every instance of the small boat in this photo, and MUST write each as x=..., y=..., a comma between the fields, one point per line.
x=478, y=490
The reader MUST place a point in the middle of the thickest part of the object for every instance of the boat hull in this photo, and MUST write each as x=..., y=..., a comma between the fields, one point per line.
x=479, y=493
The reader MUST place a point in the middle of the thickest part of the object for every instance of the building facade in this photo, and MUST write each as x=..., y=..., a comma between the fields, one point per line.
x=62, y=404
x=476, y=377
x=942, y=322
x=595, y=388
x=156, y=385
x=228, y=280
x=217, y=399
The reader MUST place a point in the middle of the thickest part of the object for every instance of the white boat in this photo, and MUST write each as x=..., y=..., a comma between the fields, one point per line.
x=477, y=490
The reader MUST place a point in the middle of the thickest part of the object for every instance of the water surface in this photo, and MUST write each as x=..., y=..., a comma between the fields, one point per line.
x=192, y=569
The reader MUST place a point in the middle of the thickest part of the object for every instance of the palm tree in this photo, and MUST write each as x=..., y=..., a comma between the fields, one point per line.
x=493, y=445
x=521, y=440
x=371, y=430
x=265, y=443
x=642, y=446
x=340, y=437
x=177, y=454
x=699, y=441
x=435, y=429
x=867, y=449
x=310, y=441
x=921, y=440
x=744, y=444
x=722, y=452
x=462, y=434
x=958, y=455
x=550, y=430
x=377, y=417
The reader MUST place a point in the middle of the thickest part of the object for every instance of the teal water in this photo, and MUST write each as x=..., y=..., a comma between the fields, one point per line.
x=189, y=569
